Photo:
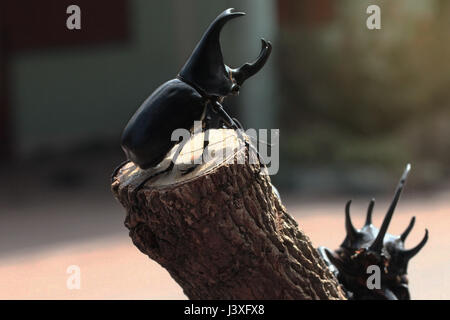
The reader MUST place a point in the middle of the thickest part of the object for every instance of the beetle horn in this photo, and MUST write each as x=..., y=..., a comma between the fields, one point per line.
x=352, y=233
x=408, y=254
x=408, y=229
x=369, y=213
x=205, y=68
x=377, y=244
x=249, y=69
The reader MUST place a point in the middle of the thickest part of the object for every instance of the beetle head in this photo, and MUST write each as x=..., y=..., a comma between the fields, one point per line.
x=205, y=67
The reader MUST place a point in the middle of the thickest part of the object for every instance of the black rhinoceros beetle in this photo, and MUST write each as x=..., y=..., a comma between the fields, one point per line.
x=370, y=246
x=195, y=94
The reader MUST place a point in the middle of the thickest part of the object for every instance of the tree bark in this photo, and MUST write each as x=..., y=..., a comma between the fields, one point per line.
x=221, y=231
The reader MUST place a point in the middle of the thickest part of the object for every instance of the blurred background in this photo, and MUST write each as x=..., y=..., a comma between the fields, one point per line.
x=353, y=106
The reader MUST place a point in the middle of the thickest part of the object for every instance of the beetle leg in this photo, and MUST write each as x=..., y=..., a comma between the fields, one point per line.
x=324, y=255
x=117, y=169
x=168, y=169
x=239, y=125
x=140, y=185
x=207, y=125
x=230, y=123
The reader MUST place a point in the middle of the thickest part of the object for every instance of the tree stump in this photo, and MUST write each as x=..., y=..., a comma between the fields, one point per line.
x=220, y=230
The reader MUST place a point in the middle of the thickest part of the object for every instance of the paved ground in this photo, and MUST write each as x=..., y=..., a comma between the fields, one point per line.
x=40, y=238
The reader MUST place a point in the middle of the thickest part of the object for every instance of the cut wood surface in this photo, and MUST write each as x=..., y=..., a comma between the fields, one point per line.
x=220, y=230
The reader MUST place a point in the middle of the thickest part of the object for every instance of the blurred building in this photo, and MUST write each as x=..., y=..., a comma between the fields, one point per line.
x=69, y=87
